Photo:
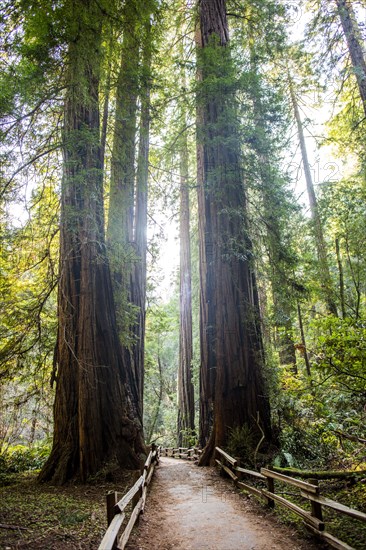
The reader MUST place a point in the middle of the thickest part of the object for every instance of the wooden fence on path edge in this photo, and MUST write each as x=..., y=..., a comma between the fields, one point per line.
x=116, y=508
x=187, y=453
x=310, y=491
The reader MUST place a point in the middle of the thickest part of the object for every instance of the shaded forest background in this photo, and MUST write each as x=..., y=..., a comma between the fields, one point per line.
x=296, y=86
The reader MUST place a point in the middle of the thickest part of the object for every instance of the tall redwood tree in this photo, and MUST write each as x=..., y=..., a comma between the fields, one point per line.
x=92, y=425
x=232, y=386
x=185, y=384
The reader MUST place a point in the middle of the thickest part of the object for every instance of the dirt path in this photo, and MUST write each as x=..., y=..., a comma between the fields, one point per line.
x=193, y=508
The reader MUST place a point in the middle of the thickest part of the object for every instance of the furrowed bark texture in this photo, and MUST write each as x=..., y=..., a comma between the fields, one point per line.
x=120, y=230
x=91, y=417
x=229, y=293
x=185, y=385
x=138, y=275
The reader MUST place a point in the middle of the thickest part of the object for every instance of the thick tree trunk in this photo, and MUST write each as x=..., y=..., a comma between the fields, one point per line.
x=138, y=276
x=324, y=272
x=355, y=45
x=91, y=424
x=120, y=230
x=208, y=364
x=229, y=293
x=185, y=385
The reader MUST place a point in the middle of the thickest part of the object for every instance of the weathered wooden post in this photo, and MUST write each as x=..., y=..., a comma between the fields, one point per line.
x=135, y=499
x=271, y=489
x=111, y=502
x=153, y=450
x=316, y=507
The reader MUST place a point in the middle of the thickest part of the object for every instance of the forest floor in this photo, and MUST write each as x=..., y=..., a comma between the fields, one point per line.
x=194, y=508
x=71, y=517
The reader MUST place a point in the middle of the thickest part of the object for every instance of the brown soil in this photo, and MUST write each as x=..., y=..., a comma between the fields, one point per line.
x=194, y=508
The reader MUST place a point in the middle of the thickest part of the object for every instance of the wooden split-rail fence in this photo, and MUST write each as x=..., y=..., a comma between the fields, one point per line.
x=309, y=491
x=188, y=453
x=116, y=509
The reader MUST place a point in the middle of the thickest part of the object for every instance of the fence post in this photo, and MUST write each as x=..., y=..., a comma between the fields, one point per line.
x=316, y=507
x=111, y=502
x=135, y=499
x=238, y=474
x=271, y=489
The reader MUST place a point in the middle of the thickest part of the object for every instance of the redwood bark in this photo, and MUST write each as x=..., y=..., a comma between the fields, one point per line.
x=185, y=385
x=138, y=275
x=229, y=294
x=121, y=215
x=91, y=414
x=208, y=361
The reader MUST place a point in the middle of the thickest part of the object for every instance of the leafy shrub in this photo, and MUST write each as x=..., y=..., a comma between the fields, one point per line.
x=241, y=444
x=341, y=352
x=20, y=458
x=308, y=446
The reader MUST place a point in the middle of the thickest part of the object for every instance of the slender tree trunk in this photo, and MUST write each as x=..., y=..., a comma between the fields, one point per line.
x=303, y=341
x=355, y=45
x=185, y=385
x=158, y=404
x=317, y=223
x=341, y=278
x=355, y=276
x=229, y=294
x=91, y=423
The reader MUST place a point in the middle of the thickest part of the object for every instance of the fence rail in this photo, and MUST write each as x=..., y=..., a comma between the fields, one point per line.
x=309, y=490
x=188, y=453
x=116, y=508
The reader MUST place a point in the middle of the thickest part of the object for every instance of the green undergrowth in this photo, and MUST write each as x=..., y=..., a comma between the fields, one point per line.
x=34, y=516
x=21, y=458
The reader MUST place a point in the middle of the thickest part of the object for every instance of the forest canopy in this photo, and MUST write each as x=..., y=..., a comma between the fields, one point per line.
x=182, y=223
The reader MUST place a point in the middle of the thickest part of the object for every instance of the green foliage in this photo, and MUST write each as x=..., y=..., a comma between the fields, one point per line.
x=241, y=444
x=161, y=365
x=19, y=458
x=28, y=277
x=316, y=420
x=340, y=352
